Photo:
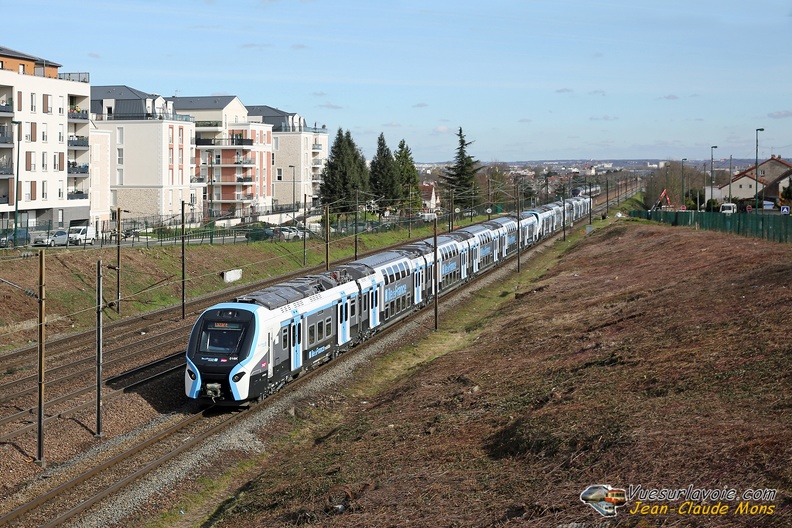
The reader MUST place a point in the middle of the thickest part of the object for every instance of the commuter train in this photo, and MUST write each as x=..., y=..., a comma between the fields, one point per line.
x=248, y=348
x=587, y=190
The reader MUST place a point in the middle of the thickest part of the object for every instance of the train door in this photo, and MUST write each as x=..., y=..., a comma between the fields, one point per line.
x=294, y=328
x=463, y=259
x=418, y=282
x=365, y=318
x=342, y=309
x=374, y=306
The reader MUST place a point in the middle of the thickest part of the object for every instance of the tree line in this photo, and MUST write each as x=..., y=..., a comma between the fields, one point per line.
x=390, y=182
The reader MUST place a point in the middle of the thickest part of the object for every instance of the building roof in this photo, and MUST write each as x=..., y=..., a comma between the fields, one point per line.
x=205, y=102
x=8, y=52
x=119, y=91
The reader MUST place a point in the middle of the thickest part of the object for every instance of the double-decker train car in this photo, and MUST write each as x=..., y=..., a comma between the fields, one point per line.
x=248, y=348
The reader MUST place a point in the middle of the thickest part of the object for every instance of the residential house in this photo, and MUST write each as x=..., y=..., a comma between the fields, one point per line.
x=46, y=177
x=775, y=174
x=429, y=200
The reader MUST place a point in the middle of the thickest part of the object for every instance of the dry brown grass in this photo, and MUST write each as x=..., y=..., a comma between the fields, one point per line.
x=648, y=355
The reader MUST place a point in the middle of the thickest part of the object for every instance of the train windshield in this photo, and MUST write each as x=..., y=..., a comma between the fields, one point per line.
x=221, y=338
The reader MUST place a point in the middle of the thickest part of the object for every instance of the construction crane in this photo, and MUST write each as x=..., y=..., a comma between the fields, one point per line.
x=659, y=202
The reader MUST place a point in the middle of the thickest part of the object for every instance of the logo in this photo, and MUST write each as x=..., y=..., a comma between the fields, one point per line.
x=604, y=498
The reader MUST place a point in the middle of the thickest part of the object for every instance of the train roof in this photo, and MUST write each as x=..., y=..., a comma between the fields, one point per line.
x=294, y=290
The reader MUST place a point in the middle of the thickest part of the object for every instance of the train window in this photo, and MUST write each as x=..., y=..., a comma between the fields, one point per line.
x=221, y=341
x=352, y=306
x=285, y=338
x=299, y=333
x=311, y=335
x=320, y=330
x=328, y=327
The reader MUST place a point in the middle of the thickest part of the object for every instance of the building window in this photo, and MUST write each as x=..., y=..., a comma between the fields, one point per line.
x=44, y=190
x=119, y=176
x=275, y=143
x=170, y=156
x=170, y=135
x=44, y=132
x=181, y=135
x=44, y=157
x=60, y=105
x=32, y=102
x=60, y=134
x=120, y=135
x=279, y=174
x=120, y=156
x=56, y=162
x=60, y=217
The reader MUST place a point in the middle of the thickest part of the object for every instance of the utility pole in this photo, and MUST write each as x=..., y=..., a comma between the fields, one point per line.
x=118, y=261
x=41, y=337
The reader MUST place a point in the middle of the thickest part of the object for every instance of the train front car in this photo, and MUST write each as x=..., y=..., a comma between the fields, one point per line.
x=222, y=366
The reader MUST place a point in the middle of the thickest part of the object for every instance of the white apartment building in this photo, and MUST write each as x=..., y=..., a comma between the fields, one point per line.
x=233, y=156
x=300, y=153
x=46, y=175
x=152, y=156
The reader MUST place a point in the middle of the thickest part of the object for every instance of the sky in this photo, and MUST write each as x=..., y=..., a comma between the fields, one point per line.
x=523, y=79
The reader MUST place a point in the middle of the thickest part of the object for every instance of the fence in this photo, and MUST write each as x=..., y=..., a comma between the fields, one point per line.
x=773, y=227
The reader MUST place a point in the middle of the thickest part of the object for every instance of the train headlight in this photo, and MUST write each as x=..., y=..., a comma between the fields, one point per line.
x=238, y=376
x=191, y=374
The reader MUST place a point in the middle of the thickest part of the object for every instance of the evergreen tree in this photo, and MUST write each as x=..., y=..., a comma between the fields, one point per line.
x=460, y=178
x=408, y=178
x=343, y=174
x=384, y=177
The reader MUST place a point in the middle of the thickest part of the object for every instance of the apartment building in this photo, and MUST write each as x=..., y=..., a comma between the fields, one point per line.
x=46, y=176
x=299, y=155
x=152, y=156
x=233, y=156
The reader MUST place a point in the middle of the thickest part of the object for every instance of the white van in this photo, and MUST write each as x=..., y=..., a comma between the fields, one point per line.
x=728, y=208
x=79, y=235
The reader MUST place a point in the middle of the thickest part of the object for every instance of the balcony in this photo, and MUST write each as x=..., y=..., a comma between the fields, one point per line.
x=77, y=195
x=78, y=115
x=316, y=147
x=317, y=163
x=77, y=168
x=78, y=141
x=223, y=142
x=7, y=107
x=244, y=179
x=6, y=168
x=6, y=140
x=198, y=179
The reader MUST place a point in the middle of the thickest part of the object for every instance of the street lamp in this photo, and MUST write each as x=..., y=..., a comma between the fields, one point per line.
x=683, y=183
x=210, y=155
x=16, y=181
x=756, y=171
x=712, y=173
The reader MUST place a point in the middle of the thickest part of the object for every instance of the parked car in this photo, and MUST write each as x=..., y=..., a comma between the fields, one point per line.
x=51, y=238
x=289, y=233
x=7, y=237
x=260, y=233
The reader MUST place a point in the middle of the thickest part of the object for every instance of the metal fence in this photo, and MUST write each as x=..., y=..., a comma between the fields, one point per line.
x=773, y=227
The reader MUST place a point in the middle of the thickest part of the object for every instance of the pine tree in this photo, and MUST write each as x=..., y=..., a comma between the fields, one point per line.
x=408, y=177
x=384, y=176
x=344, y=173
x=460, y=178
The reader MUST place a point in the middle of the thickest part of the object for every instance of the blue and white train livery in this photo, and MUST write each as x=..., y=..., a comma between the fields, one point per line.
x=249, y=348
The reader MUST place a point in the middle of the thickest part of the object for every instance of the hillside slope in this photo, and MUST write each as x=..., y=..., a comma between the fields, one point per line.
x=647, y=356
